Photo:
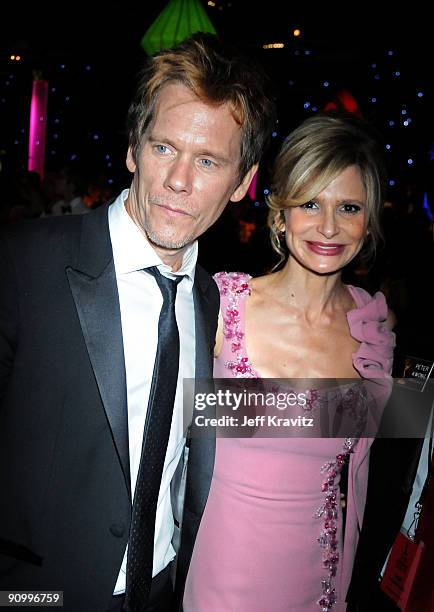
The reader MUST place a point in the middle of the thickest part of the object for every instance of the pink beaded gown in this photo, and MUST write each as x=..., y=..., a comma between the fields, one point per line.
x=269, y=539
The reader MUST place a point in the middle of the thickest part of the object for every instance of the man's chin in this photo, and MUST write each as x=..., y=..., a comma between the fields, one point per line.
x=168, y=243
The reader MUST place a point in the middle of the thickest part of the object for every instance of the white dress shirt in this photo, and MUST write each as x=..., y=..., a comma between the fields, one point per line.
x=140, y=304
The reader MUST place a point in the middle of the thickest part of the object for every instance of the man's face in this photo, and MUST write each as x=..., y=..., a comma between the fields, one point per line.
x=186, y=172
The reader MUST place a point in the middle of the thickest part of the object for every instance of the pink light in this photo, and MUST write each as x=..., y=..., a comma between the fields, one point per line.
x=252, y=188
x=38, y=126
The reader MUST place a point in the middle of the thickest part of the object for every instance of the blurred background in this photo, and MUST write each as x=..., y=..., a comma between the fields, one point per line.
x=86, y=56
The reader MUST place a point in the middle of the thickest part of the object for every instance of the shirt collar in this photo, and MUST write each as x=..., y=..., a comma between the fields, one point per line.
x=132, y=251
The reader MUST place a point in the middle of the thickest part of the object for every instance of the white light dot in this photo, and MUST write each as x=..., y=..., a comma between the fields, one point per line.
x=388, y=147
x=420, y=94
x=410, y=161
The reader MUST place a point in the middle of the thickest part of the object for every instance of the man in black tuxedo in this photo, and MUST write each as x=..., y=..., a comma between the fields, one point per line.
x=79, y=329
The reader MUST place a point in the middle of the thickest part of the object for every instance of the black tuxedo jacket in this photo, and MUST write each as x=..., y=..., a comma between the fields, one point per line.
x=65, y=490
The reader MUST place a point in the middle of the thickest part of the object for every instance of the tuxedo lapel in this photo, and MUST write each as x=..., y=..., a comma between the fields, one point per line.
x=94, y=289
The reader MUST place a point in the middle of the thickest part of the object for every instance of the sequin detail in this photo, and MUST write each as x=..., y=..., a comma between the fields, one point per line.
x=328, y=511
x=233, y=285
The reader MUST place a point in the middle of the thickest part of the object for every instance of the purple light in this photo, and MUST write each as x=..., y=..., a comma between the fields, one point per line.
x=38, y=126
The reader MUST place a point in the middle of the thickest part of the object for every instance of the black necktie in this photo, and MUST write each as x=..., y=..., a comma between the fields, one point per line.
x=154, y=446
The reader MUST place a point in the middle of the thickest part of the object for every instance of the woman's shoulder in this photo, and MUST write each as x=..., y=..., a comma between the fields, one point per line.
x=233, y=283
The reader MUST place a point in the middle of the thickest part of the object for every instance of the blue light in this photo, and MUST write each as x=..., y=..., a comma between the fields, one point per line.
x=397, y=73
x=373, y=100
x=88, y=67
x=307, y=52
x=390, y=52
x=62, y=66
x=95, y=137
x=326, y=84
x=257, y=204
x=410, y=161
x=306, y=105
x=377, y=77
x=110, y=181
x=403, y=111
x=314, y=109
x=274, y=134
x=392, y=183
x=420, y=94
x=107, y=156
x=373, y=65
x=266, y=191
x=427, y=207
x=391, y=123
x=388, y=147
x=73, y=156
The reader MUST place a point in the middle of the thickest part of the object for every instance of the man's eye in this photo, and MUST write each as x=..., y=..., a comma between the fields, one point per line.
x=161, y=149
x=207, y=163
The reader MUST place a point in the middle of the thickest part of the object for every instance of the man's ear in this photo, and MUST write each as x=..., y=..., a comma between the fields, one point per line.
x=243, y=187
x=131, y=164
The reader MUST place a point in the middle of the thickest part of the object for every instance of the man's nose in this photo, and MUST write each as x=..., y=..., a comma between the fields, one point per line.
x=179, y=177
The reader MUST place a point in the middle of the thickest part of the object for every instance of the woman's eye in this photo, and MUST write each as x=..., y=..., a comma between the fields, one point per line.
x=351, y=209
x=309, y=206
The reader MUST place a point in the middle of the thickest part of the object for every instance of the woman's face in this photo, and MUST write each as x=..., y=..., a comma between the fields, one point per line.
x=325, y=234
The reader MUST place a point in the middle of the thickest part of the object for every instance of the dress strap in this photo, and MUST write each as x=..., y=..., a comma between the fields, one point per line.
x=234, y=288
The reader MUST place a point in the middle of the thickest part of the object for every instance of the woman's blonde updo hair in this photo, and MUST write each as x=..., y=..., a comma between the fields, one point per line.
x=312, y=156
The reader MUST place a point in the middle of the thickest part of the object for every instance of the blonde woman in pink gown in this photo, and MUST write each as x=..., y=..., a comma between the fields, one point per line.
x=271, y=535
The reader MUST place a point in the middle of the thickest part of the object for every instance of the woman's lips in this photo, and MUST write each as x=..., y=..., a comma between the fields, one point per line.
x=325, y=248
